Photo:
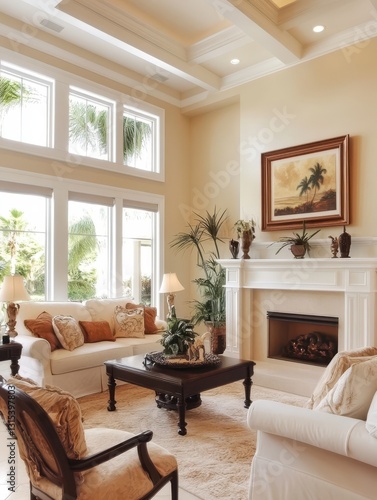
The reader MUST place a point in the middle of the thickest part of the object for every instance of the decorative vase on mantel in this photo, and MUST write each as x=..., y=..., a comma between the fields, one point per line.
x=234, y=247
x=246, y=240
x=344, y=241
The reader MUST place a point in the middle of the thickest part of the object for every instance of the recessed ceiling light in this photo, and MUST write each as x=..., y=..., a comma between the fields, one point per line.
x=234, y=61
x=318, y=29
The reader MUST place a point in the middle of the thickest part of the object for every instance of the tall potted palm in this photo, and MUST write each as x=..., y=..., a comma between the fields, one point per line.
x=203, y=238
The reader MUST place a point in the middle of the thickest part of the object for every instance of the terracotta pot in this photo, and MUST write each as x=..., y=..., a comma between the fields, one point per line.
x=298, y=251
x=218, y=338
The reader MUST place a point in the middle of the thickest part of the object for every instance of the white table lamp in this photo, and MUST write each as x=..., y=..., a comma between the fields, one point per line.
x=170, y=284
x=13, y=290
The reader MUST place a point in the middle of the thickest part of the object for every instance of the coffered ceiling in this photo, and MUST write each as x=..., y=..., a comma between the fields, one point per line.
x=181, y=50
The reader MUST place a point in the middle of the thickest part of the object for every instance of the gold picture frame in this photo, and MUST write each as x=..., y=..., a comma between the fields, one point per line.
x=306, y=183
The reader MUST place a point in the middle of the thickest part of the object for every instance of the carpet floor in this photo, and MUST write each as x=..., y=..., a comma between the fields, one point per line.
x=214, y=457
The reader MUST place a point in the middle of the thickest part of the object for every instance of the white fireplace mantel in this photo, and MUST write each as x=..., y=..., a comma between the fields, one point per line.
x=355, y=278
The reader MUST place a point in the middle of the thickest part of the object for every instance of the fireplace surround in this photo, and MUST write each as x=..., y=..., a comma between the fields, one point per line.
x=344, y=288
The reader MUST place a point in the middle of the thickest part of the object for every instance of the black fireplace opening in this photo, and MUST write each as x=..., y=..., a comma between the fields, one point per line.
x=304, y=338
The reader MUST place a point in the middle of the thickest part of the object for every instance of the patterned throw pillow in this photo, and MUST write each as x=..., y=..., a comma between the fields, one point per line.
x=150, y=315
x=42, y=328
x=129, y=322
x=68, y=332
x=96, y=331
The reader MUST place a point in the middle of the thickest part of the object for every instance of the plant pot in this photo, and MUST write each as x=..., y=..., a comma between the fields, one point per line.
x=298, y=251
x=218, y=338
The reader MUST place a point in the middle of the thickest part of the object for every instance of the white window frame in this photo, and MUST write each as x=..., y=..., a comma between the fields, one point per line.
x=157, y=116
x=111, y=105
x=57, y=248
x=32, y=76
x=59, y=125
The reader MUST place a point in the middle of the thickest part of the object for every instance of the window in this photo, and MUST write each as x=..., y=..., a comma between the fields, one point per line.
x=25, y=107
x=137, y=250
x=141, y=140
x=78, y=241
x=98, y=127
x=90, y=125
x=23, y=235
x=88, y=247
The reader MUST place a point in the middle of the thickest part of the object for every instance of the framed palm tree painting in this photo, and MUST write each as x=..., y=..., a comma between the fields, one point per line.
x=306, y=183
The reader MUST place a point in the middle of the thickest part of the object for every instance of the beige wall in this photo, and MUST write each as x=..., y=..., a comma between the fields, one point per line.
x=327, y=97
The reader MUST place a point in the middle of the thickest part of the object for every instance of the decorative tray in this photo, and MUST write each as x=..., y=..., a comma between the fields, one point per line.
x=159, y=358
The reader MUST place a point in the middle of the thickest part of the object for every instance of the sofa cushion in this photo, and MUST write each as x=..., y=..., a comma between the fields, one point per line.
x=150, y=315
x=129, y=322
x=103, y=309
x=371, y=423
x=42, y=328
x=94, y=354
x=352, y=395
x=96, y=331
x=68, y=332
x=64, y=411
x=335, y=369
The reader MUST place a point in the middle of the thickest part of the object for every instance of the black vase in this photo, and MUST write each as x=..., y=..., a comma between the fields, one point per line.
x=344, y=241
x=234, y=247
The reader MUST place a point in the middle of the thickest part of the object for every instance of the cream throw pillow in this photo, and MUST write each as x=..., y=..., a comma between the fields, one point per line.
x=335, y=369
x=129, y=322
x=68, y=332
x=371, y=423
x=351, y=396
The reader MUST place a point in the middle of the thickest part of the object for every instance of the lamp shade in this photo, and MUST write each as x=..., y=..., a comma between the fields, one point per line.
x=13, y=289
x=170, y=284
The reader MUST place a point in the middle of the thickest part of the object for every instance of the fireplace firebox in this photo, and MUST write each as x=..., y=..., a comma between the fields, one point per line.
x=302, y=337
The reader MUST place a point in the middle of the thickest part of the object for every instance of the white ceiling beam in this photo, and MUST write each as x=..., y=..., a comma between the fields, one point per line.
x=263, y=30
x=218, y=44
x=114, y=33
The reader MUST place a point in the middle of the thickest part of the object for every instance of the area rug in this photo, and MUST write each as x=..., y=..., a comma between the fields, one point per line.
x=214, y=457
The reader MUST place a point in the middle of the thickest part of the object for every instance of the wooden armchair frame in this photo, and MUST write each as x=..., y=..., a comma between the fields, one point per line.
x=24, y=408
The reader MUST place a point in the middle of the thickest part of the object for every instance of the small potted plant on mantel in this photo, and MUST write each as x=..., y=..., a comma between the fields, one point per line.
x=298, y=243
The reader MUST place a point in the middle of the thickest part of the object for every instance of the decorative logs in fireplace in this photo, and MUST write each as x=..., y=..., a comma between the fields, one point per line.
x=314, y=346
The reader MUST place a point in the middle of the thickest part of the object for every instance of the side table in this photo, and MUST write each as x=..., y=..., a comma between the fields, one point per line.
x=11, y=352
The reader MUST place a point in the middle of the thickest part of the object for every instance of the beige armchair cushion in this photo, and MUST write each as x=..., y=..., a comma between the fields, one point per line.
x=108, y=480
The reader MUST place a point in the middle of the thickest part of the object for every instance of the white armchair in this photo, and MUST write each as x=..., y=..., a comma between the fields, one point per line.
x=327, y=453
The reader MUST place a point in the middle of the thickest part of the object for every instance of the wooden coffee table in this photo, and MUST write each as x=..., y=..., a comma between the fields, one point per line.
x=178, y=388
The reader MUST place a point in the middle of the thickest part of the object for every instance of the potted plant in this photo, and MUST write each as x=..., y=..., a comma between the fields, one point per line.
x=298, y=243
x=203, y=238
x=246, y=231
x=178, y=337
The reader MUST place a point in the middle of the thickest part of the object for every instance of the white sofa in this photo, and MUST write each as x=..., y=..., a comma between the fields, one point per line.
x=327, y=450
x=82, y=370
